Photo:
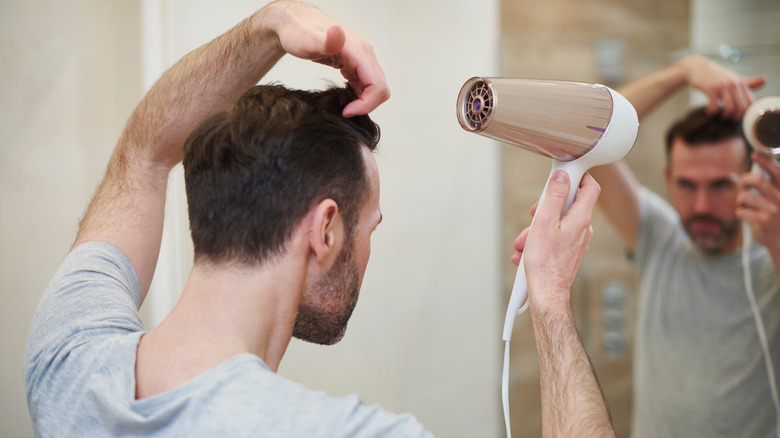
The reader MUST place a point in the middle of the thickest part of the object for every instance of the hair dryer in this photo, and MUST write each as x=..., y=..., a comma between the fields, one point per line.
x=578, y=125
x=761, y=125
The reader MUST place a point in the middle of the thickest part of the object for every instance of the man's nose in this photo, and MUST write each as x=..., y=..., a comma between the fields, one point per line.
x=701, y=203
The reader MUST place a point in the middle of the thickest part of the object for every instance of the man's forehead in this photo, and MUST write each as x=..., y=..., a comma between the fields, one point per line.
x=732, y=150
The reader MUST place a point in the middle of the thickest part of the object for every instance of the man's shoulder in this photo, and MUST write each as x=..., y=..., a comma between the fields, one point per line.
x=242, y=396
x=92, y=300
x=656, y=213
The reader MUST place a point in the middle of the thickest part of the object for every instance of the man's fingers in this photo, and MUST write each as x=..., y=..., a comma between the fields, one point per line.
x=769, y=166
x=554, y=198
x=587, y=196
x=371, y=96
x=728, y=104
x=713, y=99
x=534, y=208
x=520, y=241
x=520, y=246
x=756, y=82
x=334, y=41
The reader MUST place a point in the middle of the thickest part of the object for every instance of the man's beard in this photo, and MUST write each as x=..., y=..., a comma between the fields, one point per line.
x=325, y=309
x=712, y=243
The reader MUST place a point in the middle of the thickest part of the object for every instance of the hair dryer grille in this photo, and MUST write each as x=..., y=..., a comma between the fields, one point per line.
x=478, y=105
x=767, y=129
x=761, y=125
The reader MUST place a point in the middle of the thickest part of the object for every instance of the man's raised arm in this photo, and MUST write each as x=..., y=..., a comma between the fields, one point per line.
x=128, y=209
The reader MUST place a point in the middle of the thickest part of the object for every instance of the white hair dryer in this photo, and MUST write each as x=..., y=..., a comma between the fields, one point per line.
x=578, y=125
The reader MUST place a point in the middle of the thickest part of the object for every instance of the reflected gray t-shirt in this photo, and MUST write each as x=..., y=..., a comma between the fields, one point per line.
x=80, y=373
x=699, y=370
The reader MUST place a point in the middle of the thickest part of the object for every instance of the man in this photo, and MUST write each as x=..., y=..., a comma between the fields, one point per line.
x=283, y=194
x=699, y=369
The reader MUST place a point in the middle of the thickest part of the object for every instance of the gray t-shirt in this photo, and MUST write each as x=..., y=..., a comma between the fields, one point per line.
x=80, y=374
x=698, y=368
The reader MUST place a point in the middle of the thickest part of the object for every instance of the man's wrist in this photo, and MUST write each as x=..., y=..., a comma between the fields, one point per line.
x=551, y=305
x=681, y=71
x=265, y=23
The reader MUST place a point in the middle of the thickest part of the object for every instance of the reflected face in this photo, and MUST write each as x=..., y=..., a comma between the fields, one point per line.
x=703, y=181
x=327, y=305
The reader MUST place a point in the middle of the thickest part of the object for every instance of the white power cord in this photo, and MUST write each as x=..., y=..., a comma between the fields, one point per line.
x=505, y=390
x=747, y=238
x=505, y=373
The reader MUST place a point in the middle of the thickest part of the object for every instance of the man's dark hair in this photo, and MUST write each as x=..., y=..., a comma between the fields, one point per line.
x=253, y=171
x=698, y=127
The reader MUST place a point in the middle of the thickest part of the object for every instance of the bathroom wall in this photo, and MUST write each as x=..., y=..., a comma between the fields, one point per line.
x=69, y=78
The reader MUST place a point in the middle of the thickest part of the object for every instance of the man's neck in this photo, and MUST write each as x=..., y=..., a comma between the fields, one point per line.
x=224, y=310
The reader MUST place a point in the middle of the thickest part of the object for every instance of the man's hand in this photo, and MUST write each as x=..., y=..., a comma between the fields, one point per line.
x=726, y=91
x=555, y=245
x=307, y=33
x=758, y=202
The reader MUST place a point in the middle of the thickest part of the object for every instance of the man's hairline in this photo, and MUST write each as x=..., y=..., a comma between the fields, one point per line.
x=697, y=144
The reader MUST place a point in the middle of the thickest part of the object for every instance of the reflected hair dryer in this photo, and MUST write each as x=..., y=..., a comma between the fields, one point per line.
x=576, y=124
x=761, y=125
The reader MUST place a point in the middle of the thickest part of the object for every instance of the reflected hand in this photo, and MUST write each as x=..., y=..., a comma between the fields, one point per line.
x=758, y=202
x=726, y=91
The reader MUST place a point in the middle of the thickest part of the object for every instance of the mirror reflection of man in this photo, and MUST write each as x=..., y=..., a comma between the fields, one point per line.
x=699, y=370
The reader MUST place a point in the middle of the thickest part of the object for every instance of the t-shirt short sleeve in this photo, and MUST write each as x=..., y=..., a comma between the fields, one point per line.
x=94, y=294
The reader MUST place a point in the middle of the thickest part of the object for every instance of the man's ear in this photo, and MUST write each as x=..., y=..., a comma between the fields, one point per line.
x=667, y=174
x=327, y=233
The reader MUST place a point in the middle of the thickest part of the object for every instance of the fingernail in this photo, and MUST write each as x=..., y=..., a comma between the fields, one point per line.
x=559, y=176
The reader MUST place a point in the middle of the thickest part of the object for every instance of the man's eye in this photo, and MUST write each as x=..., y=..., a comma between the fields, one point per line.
x=686, y=185
x=722, y=185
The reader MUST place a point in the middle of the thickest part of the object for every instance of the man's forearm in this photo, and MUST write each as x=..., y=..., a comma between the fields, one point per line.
x=572, y=402
x=205, y=81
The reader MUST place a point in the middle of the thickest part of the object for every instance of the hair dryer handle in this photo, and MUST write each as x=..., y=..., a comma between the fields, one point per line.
x=575, y=169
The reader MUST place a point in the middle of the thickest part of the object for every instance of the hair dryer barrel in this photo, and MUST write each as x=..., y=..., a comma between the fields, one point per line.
x=560, y=119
